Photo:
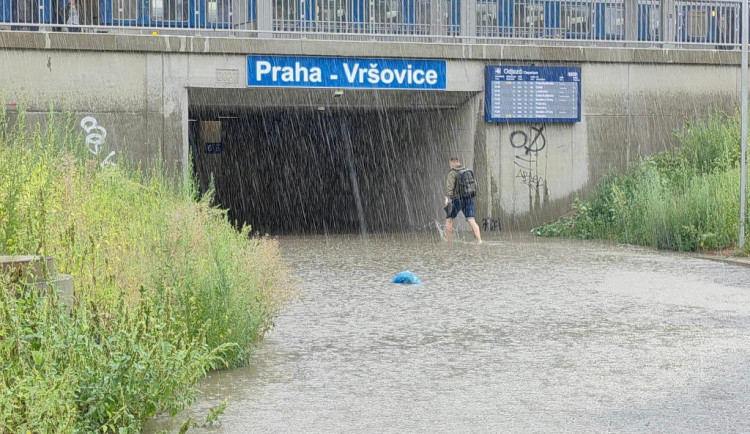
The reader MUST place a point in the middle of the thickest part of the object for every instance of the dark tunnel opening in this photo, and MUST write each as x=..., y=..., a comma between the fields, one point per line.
x=309, y=171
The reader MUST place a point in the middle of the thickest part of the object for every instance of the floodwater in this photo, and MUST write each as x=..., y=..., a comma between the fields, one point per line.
x=517, y=335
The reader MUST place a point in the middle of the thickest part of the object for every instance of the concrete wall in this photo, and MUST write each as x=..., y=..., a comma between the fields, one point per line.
x=134, y=96
x=628, y=110
x=137, y=87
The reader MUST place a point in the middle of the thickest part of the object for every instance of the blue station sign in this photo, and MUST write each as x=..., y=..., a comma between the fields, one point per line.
x=532, y=94
x=343, y=72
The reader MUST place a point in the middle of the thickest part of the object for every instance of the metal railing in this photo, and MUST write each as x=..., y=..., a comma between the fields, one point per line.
x=385, y=17
x=677, y=23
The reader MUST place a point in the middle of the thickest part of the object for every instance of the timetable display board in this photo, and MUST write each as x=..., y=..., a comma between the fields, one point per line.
x=532, y=94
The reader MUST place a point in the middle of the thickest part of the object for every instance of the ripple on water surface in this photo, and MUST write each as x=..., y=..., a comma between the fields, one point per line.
x=519, y=334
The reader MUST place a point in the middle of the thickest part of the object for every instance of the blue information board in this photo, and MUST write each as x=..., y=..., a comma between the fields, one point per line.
x=341, y=72
x=532, y=94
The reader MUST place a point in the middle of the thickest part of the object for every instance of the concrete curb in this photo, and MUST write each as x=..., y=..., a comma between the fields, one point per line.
x=743, y=262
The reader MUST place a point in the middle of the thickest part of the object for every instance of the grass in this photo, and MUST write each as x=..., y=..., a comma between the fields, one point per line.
x=166, y=288
x=686, y=199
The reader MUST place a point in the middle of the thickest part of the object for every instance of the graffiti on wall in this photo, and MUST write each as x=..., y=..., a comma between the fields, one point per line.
x=530, y=144
x=96, y=136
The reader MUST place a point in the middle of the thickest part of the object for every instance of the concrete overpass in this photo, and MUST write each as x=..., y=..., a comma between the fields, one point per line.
x=160, y=96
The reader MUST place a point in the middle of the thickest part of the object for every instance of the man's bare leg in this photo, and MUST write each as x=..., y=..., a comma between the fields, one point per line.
x=475, y=228
x=448, y=229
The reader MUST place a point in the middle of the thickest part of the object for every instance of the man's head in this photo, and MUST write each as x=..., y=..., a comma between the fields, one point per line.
x=454, y=161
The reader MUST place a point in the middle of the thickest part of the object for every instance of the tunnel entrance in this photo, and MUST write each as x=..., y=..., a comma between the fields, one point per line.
x=310, y=170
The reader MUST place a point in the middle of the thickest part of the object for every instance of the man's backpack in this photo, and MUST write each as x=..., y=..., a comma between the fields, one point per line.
x=466, y=185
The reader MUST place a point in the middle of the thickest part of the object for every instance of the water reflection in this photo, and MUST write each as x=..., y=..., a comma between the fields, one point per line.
x=520, y=334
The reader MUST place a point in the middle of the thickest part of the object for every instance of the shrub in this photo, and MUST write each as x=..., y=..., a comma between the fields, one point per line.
x=685, y=199
x=166, y=288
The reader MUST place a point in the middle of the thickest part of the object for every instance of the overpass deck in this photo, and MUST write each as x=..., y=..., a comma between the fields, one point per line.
x=213, y=44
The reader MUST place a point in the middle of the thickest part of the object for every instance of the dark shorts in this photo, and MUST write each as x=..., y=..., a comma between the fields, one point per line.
x=465, y=206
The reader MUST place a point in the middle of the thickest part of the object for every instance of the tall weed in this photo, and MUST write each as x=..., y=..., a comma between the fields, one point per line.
x=165, y=287
x=685, y=199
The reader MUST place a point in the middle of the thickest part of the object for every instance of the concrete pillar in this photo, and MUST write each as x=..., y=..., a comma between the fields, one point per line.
x=468, y=18
x=631, y=20
x=492, y=175
x=668, y=21
x=184, y=130
x=153, y=121
x=471, y=115
x=264, y=15
x=495, y=171
x=174, y=109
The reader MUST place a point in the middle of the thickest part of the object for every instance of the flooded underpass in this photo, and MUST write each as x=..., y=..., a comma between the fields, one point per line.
x=319, y=161
x=520, y=334
x=310, y=171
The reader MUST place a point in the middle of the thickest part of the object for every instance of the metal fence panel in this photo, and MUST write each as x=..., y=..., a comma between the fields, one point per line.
x=694, y=23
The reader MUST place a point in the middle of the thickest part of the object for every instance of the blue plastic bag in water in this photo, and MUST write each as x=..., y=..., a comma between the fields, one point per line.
x=407, y=278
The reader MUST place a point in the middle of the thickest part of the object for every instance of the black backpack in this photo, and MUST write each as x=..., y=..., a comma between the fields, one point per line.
x=466, y=185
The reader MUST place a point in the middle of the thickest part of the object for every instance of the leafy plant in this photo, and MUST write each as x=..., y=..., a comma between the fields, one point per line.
x=166, y=288
x=684, y=199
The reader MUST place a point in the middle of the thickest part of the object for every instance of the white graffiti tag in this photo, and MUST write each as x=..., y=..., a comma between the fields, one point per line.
x=96, y=136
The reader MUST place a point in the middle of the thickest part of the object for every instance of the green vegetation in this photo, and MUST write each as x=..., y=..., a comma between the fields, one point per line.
x=166, y=288
x=685, y=199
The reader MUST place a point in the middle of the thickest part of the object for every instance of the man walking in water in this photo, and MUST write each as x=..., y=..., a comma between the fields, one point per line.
x=459, y=196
